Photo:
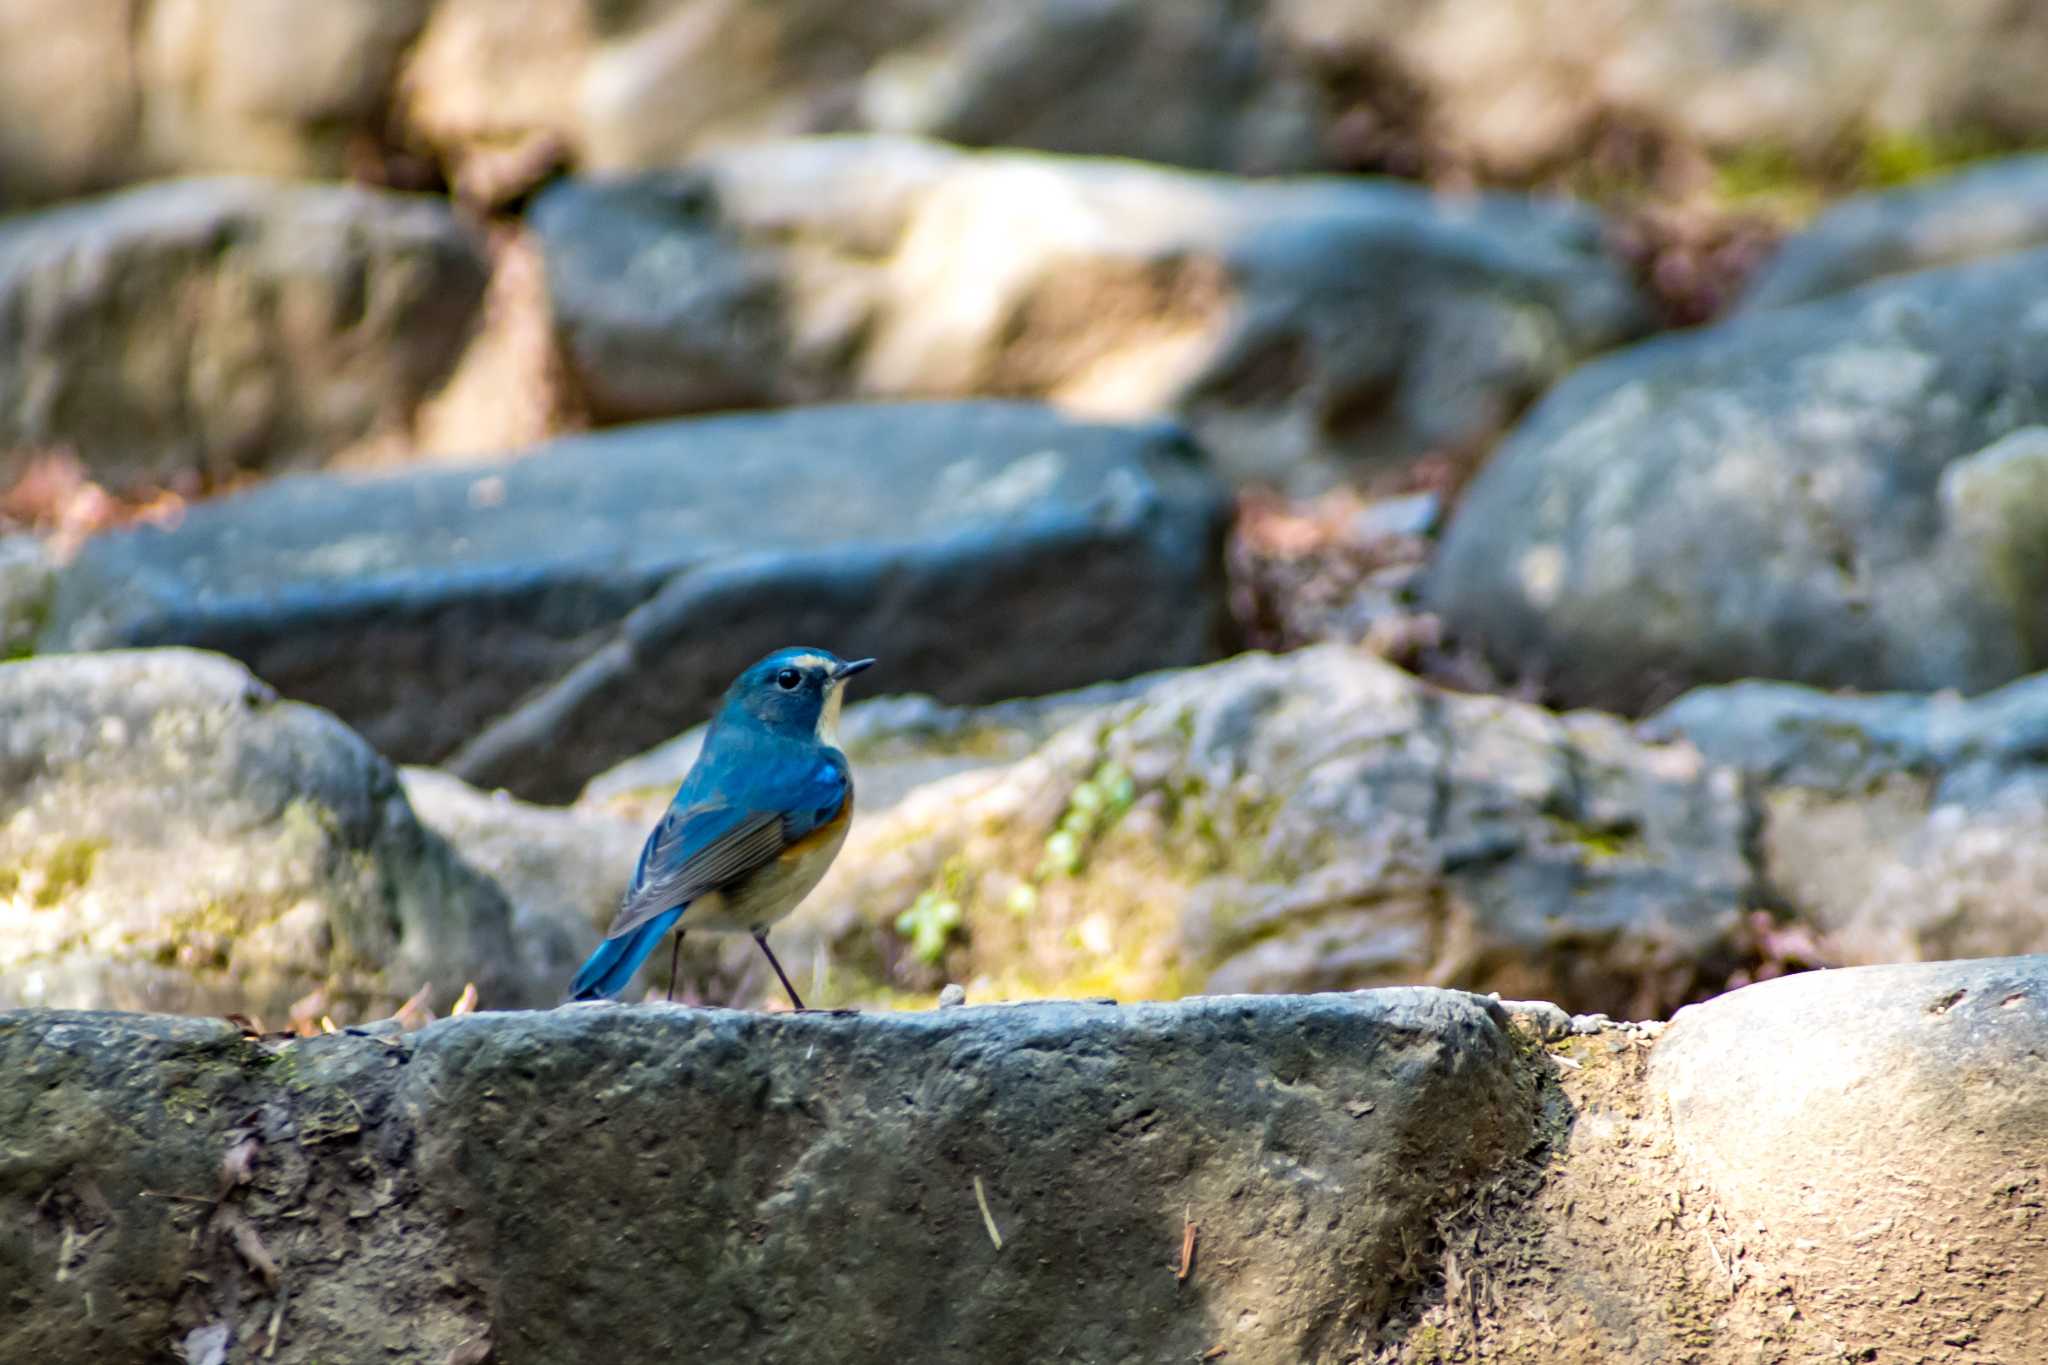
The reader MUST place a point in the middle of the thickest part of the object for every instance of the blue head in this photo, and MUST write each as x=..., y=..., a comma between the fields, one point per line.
x=793, y=692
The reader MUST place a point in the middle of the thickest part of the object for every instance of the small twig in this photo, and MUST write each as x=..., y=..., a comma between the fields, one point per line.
x=1563, y=1060
x=1707, y=1236
x=276, y=1321
x=181, y=1198
x=988, y=1220
x=1187, y=1244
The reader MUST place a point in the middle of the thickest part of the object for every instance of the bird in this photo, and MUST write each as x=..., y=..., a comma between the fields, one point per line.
x=757, y=820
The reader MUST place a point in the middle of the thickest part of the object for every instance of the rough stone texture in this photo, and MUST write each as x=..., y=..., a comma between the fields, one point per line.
x=536, y=621
x=173, y=837
x=1987, y=210
x=1889, y=1115
x=215, y=326
x=1519, y=85
x=1312, y=821
x=507, y=1178
x=97, y=91
x=28, y=579
x=562, y=871
x=1299, y=327
x=1848, y=493
x=1902, y=827
x=1833, y=1166
x=94, y=93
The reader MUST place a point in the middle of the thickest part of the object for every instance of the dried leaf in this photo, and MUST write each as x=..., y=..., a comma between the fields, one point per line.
x=253, y=1251
x=1187, y=1245
x=238, y=1165
x=465, y=1003
x=414, y=1012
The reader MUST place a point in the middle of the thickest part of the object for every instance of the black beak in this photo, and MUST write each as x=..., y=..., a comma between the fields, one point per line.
x=851, y=667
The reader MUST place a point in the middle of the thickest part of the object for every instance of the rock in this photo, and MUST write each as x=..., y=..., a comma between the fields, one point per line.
x=1300, y=328
x=1025, y=1179
x=537, y=621
x=1888, y=1115
x=1988, y=210
x=563, y=872
x=172, y=837
x=202, y=329
x=1902, y=827
x=1833, y=1165
x=1318, y=820
x=98, y=93
x=1517, y=89
x=1204, y=84
x=1834, y=494
x=28, y=578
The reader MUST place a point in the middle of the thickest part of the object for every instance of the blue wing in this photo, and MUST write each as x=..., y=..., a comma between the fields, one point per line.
x=704, y=845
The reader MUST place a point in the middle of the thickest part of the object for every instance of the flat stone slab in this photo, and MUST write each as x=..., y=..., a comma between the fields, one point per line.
x=611, y=1183
x=534, y=622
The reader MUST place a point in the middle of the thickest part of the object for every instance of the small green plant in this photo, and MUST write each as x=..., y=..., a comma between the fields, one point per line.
x=930, y=923
x=1094, y=806
x=68, y=867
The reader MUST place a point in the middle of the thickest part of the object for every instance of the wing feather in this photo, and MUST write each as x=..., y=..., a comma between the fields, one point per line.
x=692, y=851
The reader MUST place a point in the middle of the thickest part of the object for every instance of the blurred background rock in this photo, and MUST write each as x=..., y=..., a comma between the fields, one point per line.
x=450, y=366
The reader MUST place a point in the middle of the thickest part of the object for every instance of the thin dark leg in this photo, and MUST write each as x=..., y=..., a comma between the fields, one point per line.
x=761, y=937
x=674, y=953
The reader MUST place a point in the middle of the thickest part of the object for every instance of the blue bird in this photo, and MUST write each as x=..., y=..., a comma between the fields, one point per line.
x=758, y=819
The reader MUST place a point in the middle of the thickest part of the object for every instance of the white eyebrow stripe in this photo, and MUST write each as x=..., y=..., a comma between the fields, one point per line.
x=810, y=661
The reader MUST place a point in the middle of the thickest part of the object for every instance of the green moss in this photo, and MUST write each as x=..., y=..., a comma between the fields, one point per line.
x=10, y=881
x=68, y=867
x=930, y=923
x=1599, y=843
x=1093, y=809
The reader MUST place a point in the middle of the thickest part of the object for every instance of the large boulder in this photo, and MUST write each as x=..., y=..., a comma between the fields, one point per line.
x=1988, y=210
x=94, y=93
x=536, y=621
x=1849, y=493
x=563, y=872
x=1313, y=821
x=1843, y=1165
x=1205, y=83
x=195, y=330
x=1523, y=86
x=1831, y=1166
x=1889, y=1117
x=1256, y=1177
x=1901, y=827
x=1298, y=327
x=173, y=837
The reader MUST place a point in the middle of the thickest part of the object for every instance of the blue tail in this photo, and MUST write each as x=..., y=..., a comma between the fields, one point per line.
x=610, y=969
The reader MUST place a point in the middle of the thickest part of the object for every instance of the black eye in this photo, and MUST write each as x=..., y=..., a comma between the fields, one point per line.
x=787, y=679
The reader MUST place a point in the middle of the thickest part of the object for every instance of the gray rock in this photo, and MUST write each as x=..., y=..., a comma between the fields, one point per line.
x=1900, y=826
x=1299, y=327
x=1847, y=493
x=28, y=580
x=535, y=622
x=259, y=325
x=173, y=837
x=1545, y=1021
x=1890, y=1116
x=1022, y=1178
x=1313, y=821
x=1987, y=210
x=562, y=872
x=1204, y=83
